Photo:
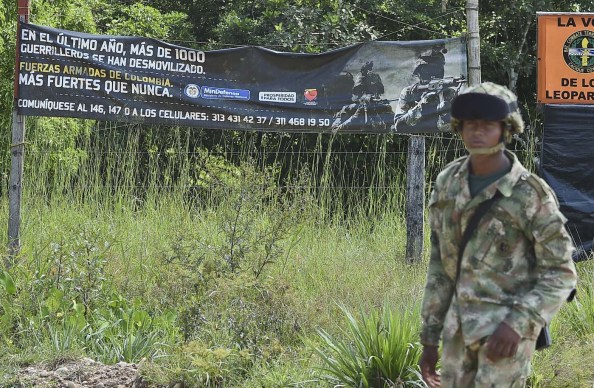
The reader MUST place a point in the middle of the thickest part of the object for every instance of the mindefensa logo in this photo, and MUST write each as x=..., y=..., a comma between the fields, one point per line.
x=286, y=97
x=224, y=93
x=578, y=51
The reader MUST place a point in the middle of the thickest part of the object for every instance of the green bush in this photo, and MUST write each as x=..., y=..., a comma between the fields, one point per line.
x=379, y=350
x=203, y=366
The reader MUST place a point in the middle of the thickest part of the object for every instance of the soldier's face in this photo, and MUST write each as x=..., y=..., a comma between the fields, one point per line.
x=481, y=133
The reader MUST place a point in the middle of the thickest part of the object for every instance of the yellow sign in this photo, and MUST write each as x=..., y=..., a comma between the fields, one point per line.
x=565, y=58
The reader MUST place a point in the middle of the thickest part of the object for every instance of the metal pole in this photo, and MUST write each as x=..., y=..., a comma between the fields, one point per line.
x=17, y=149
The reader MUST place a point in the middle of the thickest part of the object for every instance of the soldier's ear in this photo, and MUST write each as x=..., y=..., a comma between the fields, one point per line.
x=506, y=132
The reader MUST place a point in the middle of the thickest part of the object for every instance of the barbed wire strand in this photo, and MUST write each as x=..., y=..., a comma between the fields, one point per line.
x=236, y=153
x=408, y=25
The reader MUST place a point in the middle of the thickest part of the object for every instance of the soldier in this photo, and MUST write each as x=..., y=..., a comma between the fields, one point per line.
x=516, y=270
x=429, y=96
x=368, y=108
x=368, y=82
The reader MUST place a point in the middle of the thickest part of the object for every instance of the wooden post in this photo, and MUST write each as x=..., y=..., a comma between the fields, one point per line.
x=15, y=192
x=474, y=42
x=415, y=198
x=17, y=151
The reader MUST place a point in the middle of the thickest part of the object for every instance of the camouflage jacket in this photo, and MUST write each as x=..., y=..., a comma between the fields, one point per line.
x=516, y=268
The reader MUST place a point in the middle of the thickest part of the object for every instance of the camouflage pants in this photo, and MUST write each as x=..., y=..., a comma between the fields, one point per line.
x=467, y=366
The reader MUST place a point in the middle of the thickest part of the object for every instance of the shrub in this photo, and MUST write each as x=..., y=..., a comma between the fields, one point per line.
x=378, y=350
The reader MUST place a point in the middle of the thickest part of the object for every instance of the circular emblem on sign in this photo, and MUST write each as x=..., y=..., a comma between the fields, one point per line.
x=578, y=51
x=192, y=91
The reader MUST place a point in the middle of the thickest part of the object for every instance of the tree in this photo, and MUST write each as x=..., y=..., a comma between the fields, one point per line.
x=508, y=40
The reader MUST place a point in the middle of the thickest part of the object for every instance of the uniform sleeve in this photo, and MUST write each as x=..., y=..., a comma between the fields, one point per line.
x=556, y=274
x=439, y=288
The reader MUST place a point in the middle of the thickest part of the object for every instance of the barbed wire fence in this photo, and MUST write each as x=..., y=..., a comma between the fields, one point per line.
x=344, y=172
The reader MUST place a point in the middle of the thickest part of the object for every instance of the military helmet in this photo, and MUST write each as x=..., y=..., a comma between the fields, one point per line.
x=428, y=71
x=434, y=55
x=488, y=101
x=430, y=63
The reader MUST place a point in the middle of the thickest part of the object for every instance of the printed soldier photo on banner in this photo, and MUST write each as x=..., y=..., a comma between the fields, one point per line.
x=430, y=95
x=404, y=88
x=368, y=109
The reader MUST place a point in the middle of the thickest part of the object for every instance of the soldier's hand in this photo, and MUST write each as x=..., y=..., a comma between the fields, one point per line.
x=428, y=362
x=502, y=343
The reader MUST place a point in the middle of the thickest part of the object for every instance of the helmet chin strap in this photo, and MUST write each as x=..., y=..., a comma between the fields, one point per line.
x=486, y=150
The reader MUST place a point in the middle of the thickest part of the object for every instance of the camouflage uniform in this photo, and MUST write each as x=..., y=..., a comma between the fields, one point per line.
x=517, y=269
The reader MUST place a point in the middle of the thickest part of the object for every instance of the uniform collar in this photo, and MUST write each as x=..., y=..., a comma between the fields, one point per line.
x=505, y=184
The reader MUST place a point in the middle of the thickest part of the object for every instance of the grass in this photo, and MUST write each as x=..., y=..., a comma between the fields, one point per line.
x=170, y=258
x=216, y=279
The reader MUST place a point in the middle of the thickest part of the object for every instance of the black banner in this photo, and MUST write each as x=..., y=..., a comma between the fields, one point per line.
x=374, y=87
x=567, y=160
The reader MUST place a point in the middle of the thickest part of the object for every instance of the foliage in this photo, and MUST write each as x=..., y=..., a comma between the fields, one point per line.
x=304, y=26
x=379, y=350
x=211, y=367
x=143, y=20
x=67, y=305
x=413, y=20
x=130, y=333
x=567, y=361
x=74, y=15
x=111, y=18
x=7, y=283
x=164, y=292
x=55, y=142
x=508, y=35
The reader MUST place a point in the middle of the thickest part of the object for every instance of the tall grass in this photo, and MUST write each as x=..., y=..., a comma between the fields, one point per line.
x=578, y=315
